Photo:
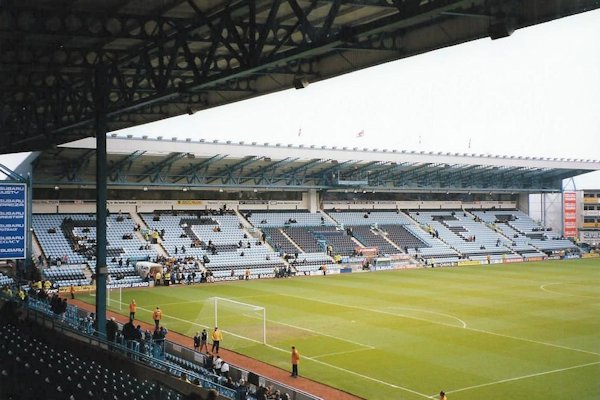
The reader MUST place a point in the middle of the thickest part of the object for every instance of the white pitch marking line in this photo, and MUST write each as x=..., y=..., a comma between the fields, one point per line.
x=356, y=373
x=340, y=352
x=521, y=377
x=366, y=346
x=196, y=324
x=203, y=301
x=463, y=323
x=309, y=358
x=450, y=325
x=558, y=346
x=543, y=287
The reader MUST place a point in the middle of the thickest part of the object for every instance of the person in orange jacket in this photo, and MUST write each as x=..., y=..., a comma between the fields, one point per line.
x=157, y=316
x=295, y=360
x=132, y=309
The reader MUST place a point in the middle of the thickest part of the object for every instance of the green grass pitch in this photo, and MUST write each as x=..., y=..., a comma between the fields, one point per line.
x=514, y=331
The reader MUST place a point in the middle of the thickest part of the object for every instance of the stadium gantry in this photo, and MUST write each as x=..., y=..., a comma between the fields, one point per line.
x=181, y=165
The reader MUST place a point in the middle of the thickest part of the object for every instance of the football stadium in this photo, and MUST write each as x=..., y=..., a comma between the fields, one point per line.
x=139, y=267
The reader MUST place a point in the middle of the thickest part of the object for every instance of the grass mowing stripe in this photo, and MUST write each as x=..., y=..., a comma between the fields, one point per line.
x=449, y=325
x=501, y=300
x=520, y=377
x=356, y=373
x=310, y=358
x=365, y=346
x=197, y=324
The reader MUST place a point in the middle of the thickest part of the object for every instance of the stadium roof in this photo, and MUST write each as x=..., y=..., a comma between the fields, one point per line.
x=169, y=163
x=145, y=60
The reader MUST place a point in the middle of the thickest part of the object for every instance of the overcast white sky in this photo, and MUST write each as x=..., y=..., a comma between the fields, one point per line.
x=536, y=93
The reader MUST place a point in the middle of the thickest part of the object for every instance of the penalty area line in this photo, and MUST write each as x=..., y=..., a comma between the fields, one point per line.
x=554, y=371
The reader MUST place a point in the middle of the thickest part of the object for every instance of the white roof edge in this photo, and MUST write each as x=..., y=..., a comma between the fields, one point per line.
x=200, y=147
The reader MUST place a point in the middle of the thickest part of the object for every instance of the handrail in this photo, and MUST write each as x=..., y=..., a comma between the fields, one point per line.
x=69, y=326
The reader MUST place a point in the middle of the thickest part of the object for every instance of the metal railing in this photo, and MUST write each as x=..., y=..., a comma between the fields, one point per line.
x=77, y=323
x=74, y=324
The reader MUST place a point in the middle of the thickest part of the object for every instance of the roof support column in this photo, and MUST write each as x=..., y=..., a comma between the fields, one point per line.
x=101, y=98
x=523, y=202
x=311, y=200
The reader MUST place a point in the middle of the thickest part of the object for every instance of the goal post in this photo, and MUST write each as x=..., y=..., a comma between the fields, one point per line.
x=246, y=321
x=108, y=299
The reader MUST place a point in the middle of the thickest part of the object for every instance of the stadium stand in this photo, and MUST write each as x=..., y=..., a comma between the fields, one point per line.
x=37, y=365
x=403, y=237
x=380, y=217
x=399, y=229
x=466, y=235
x=66, y=275
x=433, y=251
x=217, y=238
x=178, y=234
x=373, y=238
x=304, y=238
x=339, y=242
x=70, y=239
x=279, y=241
x=312, y=262
x=54, y=242
x=524, y=232
x=273, y=219
x=310, y=232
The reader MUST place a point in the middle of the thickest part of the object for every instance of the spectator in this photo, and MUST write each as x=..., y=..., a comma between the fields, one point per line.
x=217, y=364
x=203, y=340
x=225, y=369
x=212, y=395
x=196, y=340
x=209, y=361
x=217, y=336
x=111, y=329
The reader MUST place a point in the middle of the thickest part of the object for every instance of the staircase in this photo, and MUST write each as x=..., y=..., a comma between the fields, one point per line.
x=291, y=241
x=160, y=250
x=245, y=223
x=138, y=220
x=36, y=247
x=384, y=236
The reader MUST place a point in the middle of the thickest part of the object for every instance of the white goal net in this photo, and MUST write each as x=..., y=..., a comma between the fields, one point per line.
x=242, y=320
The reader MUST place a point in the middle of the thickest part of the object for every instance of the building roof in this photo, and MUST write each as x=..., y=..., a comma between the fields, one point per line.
x=197, y=164
x=145, y=60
